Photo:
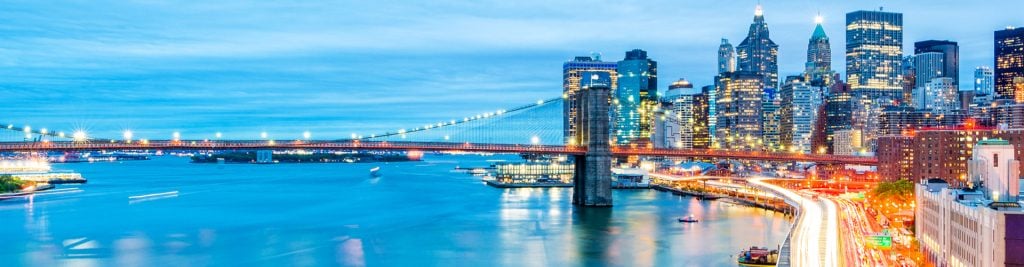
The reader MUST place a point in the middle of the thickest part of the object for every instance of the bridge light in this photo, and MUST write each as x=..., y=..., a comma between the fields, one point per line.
x=10, y=126
x=127, y=135
x=79, y=136
x=144, y=141
x=176, y=136
x=43, y=131
x=263, y=135
x=307, y=135
x=218, y=135
x=353, y=135
x=60, y=134
x=535, y=140
x=28, y=129
x=446, y=137
x=540, y=102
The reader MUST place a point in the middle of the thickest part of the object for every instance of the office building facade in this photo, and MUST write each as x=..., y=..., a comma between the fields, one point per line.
x=572, y=74
x=1009, y=60
x=634, y=98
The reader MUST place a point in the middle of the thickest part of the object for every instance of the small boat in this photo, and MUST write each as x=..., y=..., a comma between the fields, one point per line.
x=375, y=171
x=756, y=256
x=688, y=219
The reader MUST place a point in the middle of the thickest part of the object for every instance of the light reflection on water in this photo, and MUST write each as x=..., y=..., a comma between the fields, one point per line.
x=334, y=214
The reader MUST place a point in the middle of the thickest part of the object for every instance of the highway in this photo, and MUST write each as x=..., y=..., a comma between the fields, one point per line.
x=815, y=240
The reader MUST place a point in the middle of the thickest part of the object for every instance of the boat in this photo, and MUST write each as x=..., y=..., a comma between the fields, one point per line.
x=688, y=219
x=375, y=171
x=756, y=256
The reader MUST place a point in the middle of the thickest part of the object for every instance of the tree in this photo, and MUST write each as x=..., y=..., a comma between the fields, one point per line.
x=10, y=183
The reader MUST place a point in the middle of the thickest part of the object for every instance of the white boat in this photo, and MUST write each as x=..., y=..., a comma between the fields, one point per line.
x=375, y=171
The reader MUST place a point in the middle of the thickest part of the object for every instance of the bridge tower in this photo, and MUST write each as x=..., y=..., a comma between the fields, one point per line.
x=593, y=174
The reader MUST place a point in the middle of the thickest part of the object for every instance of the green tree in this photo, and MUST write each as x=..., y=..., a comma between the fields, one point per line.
x=9, y=183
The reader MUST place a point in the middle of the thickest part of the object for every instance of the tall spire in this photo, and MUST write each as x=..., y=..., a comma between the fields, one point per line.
x=819, y=32
x=758, y=12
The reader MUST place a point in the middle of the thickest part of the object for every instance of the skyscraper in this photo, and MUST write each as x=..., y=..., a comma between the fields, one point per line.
x=874, y=55
x=838, y=109
x=874, y=51
x=1009, y=60
x=927, y=66
x=950, y=56
x=688, y=108
x=983, y=83
x=726, y=57
x=798, y=114
x=757, y=53
x=739, y=110
x=819, y=57
x=909, y=79
x=635, y=98
x=770, y=118
x=572, y=72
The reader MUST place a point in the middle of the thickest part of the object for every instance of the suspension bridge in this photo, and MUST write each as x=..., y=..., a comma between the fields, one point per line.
x=535, y=128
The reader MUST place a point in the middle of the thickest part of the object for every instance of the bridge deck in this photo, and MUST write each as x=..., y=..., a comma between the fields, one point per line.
x=429, y=146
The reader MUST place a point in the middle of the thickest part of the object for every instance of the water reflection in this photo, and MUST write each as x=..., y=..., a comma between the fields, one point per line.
x=330, y=215
x=594, y=228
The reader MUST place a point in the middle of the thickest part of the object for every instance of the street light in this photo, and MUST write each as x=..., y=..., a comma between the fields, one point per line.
x=127, y=136
x=535, y=140
x=176, y=136
x=79, y=136
x=306, y=135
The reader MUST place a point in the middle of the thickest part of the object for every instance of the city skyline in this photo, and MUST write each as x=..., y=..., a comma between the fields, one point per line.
x=98, y=56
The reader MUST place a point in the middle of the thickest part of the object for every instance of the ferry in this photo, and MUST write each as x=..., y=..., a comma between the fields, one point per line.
x=688, y=219
x=756, y=256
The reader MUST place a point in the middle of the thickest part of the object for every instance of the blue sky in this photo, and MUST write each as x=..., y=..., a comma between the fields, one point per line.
x=337, y=67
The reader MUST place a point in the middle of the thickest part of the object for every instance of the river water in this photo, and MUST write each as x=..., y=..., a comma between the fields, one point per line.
x=416, y=214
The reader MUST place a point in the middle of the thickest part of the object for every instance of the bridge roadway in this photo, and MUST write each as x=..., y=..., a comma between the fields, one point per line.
x=426, y=146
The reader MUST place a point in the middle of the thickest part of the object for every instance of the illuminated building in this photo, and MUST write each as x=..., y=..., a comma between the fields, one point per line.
x=874, y=55
x=838, y=111
x=534, y=173
x=909, y=79
x=983, y=83
x=757, y=53
x=1009, y=60
x=739, y=124
x=977, y=224
x=897, y=119
x=1018, y=88
x=950, y=52
x=942, y=152
x=771, y=119
x=926, y=67
x=688, y=108
x=818, y=69
x=798, y=113
x=847, y=142
x=726, y=57
x=712, y=93
x=874, y=51
x=635, y=98
x=1001, y=113
x=897, y=153
x=942, y=96
x=572, y=71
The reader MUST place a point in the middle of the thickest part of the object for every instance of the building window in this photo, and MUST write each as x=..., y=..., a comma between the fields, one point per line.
x=995, y=160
